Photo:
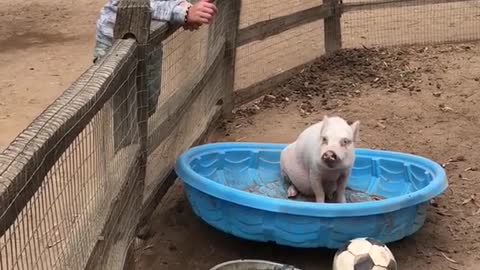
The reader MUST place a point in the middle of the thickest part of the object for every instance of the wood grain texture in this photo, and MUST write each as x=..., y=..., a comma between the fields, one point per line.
x=332, y=27
x=160, y=31
x=119, y=231
x=133, y=20
x=234, y=8
x=27, y=160
x=174, y=108
x=189, y=114
x=359, y=6
x=160, y=190
x=118, y=235
x=275, y=26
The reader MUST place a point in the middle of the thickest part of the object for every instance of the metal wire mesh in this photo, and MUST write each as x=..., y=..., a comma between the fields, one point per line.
x=187, y=58
x=257, y=11
x=183, y=135
x=412, y=24
x=45, y=226
x=63, y=221
x=261, y=60
x=61, y=224
x=398, y=23
x=186, y=55
x=183, y=59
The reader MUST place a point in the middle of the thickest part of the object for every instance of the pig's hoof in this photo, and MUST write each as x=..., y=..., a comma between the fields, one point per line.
x=342, y=200
x=292, y=191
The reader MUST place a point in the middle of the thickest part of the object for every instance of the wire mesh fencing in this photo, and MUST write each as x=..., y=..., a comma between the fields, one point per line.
x=66, y=172
x=271, y=49
x=263, y=59
x=409, y=22
x=73, y=182
x=191, y=87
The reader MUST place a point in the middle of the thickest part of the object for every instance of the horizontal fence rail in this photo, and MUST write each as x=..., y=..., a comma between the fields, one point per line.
x=275, y=26
x=28, y=184
x=185, y=115
x=265, y=29
x=382, y=4
x=27, y=160
x=84, y=178
x=330, y=12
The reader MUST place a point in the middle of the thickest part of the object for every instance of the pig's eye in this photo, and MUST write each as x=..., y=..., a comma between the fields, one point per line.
x=324, y=140
x=345, y=142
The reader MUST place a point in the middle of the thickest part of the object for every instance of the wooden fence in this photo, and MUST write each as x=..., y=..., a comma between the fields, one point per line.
x=83, y=179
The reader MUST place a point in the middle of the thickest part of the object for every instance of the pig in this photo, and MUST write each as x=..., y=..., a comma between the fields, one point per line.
x=320, y=161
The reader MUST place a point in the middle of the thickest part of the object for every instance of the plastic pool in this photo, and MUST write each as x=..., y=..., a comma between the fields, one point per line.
x=252, y=264
x=236, y=188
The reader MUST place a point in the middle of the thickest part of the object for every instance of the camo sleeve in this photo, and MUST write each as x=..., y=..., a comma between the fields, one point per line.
x=170, y=11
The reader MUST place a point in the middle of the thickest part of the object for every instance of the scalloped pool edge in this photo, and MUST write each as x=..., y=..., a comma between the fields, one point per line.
x=438, y=185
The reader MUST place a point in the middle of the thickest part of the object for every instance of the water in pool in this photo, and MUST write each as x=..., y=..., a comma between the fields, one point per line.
x=259, y=172
x=278, y=189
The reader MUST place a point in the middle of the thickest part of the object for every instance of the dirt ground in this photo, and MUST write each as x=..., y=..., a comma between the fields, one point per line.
x=421, y=100
x=44, y=47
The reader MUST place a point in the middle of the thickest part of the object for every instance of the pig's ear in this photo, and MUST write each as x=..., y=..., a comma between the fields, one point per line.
x=356, y=131
x=325, y=120
x=324, y=124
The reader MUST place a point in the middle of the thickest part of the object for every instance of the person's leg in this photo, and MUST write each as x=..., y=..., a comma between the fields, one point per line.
x=118, y=108
x=153, y=78
x=101, y=49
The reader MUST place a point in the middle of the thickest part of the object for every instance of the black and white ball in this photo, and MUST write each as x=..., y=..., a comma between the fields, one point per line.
x=364, y=254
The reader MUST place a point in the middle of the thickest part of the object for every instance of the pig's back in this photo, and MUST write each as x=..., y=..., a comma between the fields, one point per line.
x=295, y=158
x=295, y=169
x=308, y=142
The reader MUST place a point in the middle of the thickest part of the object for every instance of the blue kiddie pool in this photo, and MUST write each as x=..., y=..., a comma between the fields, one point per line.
x=237, y=188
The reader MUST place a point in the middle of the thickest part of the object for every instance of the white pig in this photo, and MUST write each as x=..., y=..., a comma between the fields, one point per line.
x=320, y=161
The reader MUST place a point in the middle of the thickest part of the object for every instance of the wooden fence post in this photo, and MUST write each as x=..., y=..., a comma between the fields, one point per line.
x=115, y=248
x=332, y=26
x=133, y=21
x=233, y=23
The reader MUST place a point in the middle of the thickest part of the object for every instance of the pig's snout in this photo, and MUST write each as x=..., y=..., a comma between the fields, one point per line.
x=330, y=158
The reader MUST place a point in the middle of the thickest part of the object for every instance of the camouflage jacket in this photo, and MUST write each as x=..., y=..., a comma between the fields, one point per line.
x=173, y=11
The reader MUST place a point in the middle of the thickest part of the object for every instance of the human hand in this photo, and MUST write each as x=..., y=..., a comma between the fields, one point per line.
x=200, y=13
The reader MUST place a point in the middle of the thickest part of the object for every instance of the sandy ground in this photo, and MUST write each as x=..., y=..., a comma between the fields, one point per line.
x=419, y=100
x=45, y=46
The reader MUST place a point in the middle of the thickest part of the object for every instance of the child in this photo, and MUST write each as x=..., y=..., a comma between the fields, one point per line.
x=175, y=12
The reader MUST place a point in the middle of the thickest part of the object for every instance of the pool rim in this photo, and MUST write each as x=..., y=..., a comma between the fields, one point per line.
x=256, y=201
x=269, y=263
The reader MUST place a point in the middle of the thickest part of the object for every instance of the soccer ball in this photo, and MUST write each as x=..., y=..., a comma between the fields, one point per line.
x=364, y=254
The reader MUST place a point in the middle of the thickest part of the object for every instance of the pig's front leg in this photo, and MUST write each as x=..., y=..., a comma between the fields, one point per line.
x=315, y=178
x=292, y=190
x=341, y=187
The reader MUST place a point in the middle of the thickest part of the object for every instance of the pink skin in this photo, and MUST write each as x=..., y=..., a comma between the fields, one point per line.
x=320, y=161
